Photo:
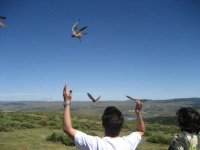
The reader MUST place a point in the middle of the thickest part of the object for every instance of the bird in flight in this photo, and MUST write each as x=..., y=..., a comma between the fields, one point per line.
x=93, y=99
x=1, y=23
x=130, y=98
x=76, y=32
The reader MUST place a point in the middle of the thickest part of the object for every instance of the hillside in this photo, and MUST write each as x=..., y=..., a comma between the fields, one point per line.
x=152, y=108
x=39, y=124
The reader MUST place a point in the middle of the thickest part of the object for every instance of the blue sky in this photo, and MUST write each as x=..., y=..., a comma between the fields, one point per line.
x=145, y=49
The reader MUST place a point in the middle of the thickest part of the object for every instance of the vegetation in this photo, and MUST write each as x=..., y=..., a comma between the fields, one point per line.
x=38, y=125
x=60, y=137
x=45, y=130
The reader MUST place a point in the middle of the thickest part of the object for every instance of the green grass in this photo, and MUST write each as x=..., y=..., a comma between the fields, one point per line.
x=28, y=139
x=43, y=131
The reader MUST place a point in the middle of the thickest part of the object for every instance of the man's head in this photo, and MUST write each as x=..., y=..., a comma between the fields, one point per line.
x=188, y=120
x=112, y=121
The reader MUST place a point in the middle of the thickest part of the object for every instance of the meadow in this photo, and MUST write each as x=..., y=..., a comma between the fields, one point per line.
x=20, y=130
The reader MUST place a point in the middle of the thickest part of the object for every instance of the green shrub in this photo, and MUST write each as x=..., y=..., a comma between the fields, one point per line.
x=55, y=125
x=159, y=139
x=158, y=128
x=148, y=133
x=5, y=128
x=27, y=126
x=60, y=137
x=13, y=124
x=43, y=123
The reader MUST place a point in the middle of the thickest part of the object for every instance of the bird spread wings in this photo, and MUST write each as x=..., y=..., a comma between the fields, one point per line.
x=92, y=98
x=76, y=32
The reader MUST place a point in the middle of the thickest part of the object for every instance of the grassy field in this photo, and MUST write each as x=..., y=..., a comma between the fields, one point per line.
x=31, y=139
x=43, y=131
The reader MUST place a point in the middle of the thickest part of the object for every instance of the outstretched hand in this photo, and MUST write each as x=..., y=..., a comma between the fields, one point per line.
x=138, y=106
x=67, y=95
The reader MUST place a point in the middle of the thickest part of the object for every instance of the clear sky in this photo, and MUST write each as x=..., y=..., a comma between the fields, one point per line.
x=145, y=49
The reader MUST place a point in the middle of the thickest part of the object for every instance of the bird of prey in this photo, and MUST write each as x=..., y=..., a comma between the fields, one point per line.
x=1, y=23
x=142, y=100
x=76, y=32
x=93, y=99
x=130, y=98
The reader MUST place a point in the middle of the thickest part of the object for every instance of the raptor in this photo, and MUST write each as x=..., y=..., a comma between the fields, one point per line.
x=76, y=32
x=97, y=100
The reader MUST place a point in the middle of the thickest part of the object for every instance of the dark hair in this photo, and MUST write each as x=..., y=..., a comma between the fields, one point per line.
x=112, y=121
x=188, y=119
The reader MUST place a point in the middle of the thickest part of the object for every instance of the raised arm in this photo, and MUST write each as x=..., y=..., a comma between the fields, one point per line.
x=67, y=116
x=139, y=120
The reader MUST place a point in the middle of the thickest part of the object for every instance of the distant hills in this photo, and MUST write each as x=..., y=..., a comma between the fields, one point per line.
x=152, y=108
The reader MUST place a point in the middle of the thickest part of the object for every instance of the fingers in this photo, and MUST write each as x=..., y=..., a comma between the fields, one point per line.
x=67, y=95
x=64, y=89
x=138, y=102
x=70, y=94
x=65, y=92
x=138, y=106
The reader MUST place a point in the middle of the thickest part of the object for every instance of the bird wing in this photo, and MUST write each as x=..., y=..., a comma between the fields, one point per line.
x=75, y=26
x=83, y=28
x=130, y=98
x=90, y=96
x=98, y=98
x=2, y=17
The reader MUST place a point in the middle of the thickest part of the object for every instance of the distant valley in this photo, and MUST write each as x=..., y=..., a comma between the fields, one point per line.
x=152, y=108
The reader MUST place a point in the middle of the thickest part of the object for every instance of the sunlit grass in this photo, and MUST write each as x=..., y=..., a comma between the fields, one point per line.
x=30, y=131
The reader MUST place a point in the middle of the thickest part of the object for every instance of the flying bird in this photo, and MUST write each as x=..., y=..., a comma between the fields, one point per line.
x=93, y=99
x=130, y=98
x=2, y=17
x=76, y=32
x=1, y=23
x=142, y=100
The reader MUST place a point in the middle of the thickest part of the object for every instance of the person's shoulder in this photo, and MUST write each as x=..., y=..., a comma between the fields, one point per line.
x=85, y=140
x=134, y=135
x=182, y=140
x=83, y=134
x=180, y=136
x=137, y=133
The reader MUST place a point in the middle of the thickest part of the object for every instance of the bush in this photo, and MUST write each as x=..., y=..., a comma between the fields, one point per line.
x=148, y=133
x=159, y=139
x=60, y=137
x=43, y=123
x=5, y=128
x=27, y=126
x=170, y=129
x=54, y=125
